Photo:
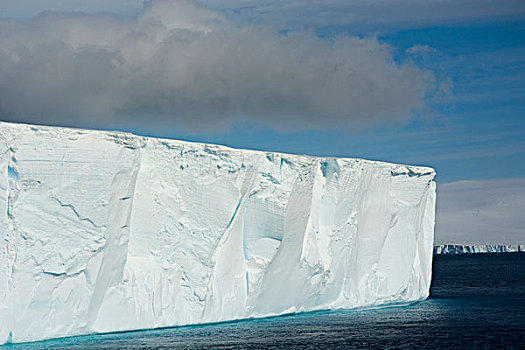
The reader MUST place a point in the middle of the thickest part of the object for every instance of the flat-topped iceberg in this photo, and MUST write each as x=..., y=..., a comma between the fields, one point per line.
x=481, y=248
x=109, y=231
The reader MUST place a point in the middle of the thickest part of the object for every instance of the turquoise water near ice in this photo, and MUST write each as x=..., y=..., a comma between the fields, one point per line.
x=477, y=301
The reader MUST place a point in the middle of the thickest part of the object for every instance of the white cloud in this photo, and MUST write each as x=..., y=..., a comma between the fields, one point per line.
x=421, y=50
x=182, y=63
x=481, y=212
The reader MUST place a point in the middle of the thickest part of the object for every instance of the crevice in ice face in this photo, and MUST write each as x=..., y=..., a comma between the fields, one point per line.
x=235, y=213
x=126, y=141
x=270, y=178
x=12, y=174
x=229, y=262
x=61, y=274
x=279, y=286
x=422, y=208
x=115, y=252
x=407, y=171
x=13, y=188
x=74, y=210
x=201, y=299
x=329, y=168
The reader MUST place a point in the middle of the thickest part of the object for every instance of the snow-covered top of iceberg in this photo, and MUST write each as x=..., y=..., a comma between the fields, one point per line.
x=121, y=136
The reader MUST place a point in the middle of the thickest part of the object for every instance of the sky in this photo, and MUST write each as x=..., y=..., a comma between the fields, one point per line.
x=435, y=83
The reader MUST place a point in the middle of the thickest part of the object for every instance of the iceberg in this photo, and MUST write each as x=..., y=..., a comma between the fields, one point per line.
x=110, y=231
x=481, y=248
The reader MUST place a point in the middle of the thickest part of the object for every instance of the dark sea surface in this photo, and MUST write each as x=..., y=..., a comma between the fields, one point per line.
x=477, y=302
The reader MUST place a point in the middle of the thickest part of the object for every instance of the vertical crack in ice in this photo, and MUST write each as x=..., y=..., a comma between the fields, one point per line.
x=235, y=213
x=424, y=249
x=114, y=254
x=230, y=238
x=11, y=139
x=278, y=286
x=13, y=188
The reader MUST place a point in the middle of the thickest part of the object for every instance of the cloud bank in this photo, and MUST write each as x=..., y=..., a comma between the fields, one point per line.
x=481, y=212
x=177, y=62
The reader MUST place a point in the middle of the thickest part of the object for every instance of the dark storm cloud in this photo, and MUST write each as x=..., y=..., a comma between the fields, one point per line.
x=181, y=63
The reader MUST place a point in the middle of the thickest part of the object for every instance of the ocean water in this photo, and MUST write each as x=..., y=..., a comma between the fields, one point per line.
x=477, y=302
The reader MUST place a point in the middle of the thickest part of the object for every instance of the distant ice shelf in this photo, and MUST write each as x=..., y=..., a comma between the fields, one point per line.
x=483, y=248
x=108, y=231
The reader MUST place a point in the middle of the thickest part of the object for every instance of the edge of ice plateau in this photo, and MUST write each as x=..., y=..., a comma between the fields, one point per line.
x=108, y=231
x=482, y=248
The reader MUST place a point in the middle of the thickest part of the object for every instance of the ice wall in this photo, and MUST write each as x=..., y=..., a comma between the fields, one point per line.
x=105, y=231
x=483, y=248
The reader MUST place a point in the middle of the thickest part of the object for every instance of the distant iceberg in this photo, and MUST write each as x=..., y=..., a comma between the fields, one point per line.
x=109, y=231
x=484, y=248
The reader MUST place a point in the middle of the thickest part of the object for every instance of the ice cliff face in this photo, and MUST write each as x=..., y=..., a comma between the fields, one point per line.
x=484, y=248
x=105, y=231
